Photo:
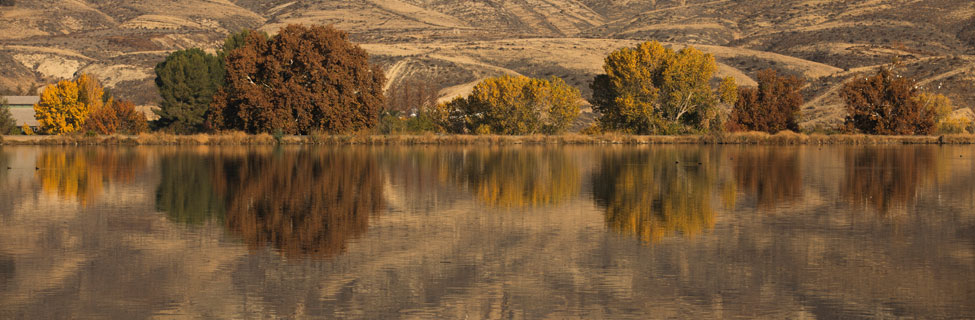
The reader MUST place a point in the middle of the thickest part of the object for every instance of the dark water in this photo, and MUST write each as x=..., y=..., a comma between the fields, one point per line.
x=485, y=232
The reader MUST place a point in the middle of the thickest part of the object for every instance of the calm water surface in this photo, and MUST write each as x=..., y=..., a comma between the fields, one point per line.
x=488, y=232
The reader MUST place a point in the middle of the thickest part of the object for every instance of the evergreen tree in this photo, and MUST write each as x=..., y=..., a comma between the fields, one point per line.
x=187, y=81
x=7, y=123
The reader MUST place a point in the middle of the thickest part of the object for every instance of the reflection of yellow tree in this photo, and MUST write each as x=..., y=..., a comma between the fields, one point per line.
x=303, y=203
x=883, y=177
x=83, y=174
x=649, y=196
x=520, y=177
x=771, y=174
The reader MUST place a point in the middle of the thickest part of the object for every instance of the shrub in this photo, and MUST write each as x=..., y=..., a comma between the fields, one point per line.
x=653, y=89
x=302, y=80
x=954, y=125
x=117, y=117
x=518, y=105
x=887, y=104
x=772, y=107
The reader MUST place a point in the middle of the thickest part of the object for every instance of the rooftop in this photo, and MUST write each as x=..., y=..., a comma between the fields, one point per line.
x=21, y=100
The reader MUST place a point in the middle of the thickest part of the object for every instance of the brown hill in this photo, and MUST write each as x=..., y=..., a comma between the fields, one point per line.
x=455, y=43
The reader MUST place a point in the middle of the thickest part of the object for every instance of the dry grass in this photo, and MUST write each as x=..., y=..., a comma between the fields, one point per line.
x=239, y=138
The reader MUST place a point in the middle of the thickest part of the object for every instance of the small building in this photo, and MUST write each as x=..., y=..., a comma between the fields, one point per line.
x=22, y=109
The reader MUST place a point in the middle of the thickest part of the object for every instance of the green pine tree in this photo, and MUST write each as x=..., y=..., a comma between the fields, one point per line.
x=7, y=123
x=187, y=81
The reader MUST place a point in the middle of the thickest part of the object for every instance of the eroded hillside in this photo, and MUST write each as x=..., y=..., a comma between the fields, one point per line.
x=456, y=43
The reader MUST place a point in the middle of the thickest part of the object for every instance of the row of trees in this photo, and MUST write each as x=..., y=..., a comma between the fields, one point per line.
x=82, y=105
x=312, y=79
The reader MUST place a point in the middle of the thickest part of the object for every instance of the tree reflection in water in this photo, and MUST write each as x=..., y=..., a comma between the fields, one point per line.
x=305, y=203
x=185, y=192
x=82, y=174
x=887, y=178
x=771, y=174
x=648, y=195
x=520, y=177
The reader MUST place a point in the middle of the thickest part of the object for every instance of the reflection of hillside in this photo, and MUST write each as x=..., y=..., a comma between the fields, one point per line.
x=772, y=175
x=185, y=192
x=420, y=178
x=82, y=174
x=648, y=195
x=520, y=177
x=885, y=178
x=304, y=203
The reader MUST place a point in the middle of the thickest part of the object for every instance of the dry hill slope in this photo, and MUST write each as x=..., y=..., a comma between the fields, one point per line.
x=460, y=42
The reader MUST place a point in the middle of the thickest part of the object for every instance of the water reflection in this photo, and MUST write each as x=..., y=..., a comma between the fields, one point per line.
x=83, y=174
x=888, y=178
x=520, y=177
x=302, y=202
x=185, y=192
x=809, y=253
x=653, y=194
x=771, y=174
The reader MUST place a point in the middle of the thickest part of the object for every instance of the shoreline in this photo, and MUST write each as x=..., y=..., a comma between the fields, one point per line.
x=237, y=138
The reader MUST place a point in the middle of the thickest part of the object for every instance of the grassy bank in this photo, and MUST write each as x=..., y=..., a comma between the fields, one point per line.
x=784, y=138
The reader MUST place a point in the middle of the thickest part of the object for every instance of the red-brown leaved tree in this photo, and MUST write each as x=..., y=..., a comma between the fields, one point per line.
x=772, y=107
x=886, y=103
x=302, y=80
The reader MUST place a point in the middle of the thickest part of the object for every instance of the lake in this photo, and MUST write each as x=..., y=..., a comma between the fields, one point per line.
x=488, y=232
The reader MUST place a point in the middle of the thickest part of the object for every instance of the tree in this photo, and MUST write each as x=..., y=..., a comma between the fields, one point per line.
x=117, y=117
x=304, y=79
x=66, y=105
x=187, y=82
x=653, y=89
x=772, y=107
x=7, y=123
x=519, y=105
x=887, y=104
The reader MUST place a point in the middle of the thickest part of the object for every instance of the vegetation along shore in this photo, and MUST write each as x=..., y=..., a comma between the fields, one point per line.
x=311, y=85
x=240, y=138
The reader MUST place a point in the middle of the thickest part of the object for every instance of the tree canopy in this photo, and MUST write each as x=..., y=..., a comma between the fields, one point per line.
x=66, y=105
x=187, y=81
x=304, y=79
x=653, y=89
x=517, y=105
x=887, y=103
x=772, y=107
x=117, y=116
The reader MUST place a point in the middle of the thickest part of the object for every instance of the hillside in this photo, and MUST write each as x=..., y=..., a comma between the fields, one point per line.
x=455, y=43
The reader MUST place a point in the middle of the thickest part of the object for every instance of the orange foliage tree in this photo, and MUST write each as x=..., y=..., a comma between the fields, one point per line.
x=65, y=106
x=772, y=107
x=302, y=80
x=117, y=117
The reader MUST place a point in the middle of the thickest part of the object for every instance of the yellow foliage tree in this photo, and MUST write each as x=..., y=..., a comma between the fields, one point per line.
x=65, y=106
x=515, y=105
x=654, y=89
